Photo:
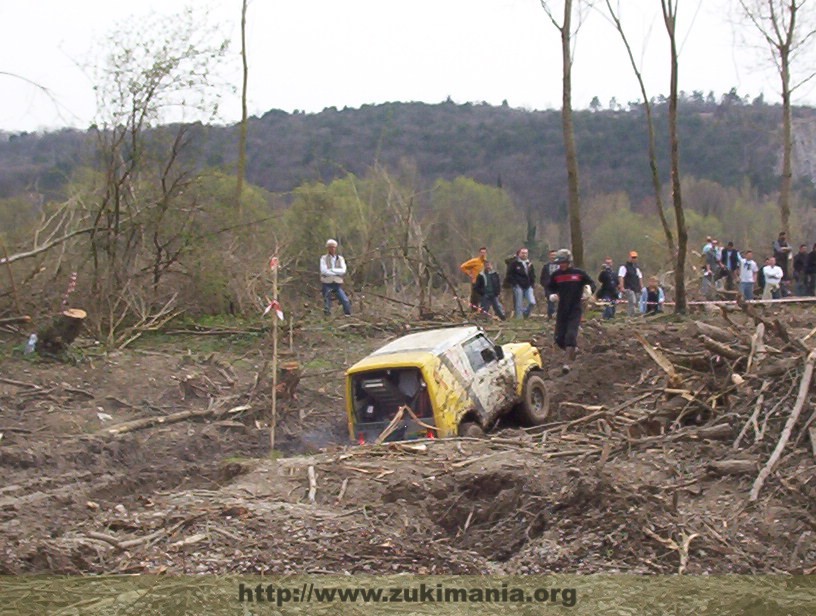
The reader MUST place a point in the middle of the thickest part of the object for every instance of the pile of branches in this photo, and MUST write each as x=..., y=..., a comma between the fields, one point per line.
x=749, y=378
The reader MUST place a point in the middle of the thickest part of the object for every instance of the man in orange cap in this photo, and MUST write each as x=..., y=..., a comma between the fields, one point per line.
x=630, y=282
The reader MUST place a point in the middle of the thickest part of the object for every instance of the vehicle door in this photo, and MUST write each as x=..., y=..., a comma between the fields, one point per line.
x=493, y=381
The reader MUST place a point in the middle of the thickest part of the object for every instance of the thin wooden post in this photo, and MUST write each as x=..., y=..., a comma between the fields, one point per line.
x=274, y=359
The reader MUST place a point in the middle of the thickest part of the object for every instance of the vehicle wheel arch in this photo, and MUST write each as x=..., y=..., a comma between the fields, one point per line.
x=533, y=409
x=470, y=424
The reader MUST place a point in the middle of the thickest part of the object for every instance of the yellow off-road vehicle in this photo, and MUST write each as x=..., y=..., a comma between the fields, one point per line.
x=443, y=382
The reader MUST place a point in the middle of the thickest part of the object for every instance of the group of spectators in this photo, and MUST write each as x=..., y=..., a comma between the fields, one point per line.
x=782, y=273
x=565, y=285
x=615, y=285
x=567, y=288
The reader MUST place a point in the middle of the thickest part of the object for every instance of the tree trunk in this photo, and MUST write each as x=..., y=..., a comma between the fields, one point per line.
x=576, y=236
x=242, y=140
x=61, y=332
x=670, y=19
x=289, y=374
x=787, y=143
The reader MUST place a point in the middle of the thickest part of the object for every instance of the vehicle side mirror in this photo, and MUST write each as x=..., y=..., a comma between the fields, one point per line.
x=499, y=352
x=488, y=355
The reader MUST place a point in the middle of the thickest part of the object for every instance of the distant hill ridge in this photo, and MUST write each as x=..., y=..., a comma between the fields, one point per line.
x=521, y=150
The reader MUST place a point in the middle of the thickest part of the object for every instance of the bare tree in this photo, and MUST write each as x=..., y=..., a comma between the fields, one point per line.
x=647, y=105
x=242, y=140
x=787, y=28
x=142, y=212
x=565, y=29
x=669, y=8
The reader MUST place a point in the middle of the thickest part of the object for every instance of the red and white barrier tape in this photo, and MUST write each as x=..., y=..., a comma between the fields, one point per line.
x=722, y=302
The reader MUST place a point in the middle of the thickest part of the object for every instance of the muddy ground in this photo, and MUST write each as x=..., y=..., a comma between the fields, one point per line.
x=620, y=480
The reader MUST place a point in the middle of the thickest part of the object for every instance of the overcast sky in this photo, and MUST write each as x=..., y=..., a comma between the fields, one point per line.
x=312, y=54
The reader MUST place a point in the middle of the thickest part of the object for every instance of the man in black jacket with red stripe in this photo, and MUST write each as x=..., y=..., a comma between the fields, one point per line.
x=567, y=285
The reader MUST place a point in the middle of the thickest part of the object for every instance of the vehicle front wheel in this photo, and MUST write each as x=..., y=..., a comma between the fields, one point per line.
x=535, y=404
x=471, y=429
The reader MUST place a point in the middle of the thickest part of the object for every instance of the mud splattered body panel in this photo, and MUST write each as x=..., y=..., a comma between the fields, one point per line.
x=443, y=376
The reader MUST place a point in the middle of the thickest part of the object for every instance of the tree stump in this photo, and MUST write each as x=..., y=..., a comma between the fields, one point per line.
x=61, y=332
x=288, y=378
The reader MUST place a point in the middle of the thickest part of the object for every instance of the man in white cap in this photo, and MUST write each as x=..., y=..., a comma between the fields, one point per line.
x=332, y=270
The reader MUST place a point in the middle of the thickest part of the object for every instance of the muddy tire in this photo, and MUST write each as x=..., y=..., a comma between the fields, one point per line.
x=534, y=407
x=471, y=429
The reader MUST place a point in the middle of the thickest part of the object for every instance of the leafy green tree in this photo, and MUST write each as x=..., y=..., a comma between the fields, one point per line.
x=468, y=215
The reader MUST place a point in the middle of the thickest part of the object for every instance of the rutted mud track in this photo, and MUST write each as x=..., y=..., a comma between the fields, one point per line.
x=591, y=493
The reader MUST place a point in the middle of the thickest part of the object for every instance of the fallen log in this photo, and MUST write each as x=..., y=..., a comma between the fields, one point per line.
x=675, y=380
x=804, y=389
x=777, y=368
x=717, y=333
x=776, y=326
x=721, y=349
x=731, y=467
x=15, y=320
x=149, y=422
x=714, y=433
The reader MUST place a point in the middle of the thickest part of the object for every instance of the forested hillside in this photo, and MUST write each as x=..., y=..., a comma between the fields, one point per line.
x=407, y=188
x=726, y=142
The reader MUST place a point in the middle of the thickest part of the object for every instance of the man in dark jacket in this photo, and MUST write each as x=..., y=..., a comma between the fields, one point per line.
x=608, y=292
x=799, y=266
x=781, y=252
x=761, y=275
x=630, y=282
x=730, y=261
x=548, y=270
x=810, y=272
x=488, y=286
x=567, y=287
x=521, y=278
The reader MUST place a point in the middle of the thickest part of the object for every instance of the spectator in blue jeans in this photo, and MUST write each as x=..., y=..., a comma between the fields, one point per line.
x=521, y=277
x=748, y=275
x=332, y=270
x=608, y=291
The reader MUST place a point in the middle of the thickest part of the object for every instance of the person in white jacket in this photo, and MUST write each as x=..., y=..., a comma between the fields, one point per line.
x=773, y=278
x=332, y=270
x=652, y=297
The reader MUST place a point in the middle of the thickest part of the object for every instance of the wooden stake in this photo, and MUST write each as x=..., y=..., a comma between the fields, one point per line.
x=804, y=388
x=312, y=484
x=757, y=347
x=274, y=360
